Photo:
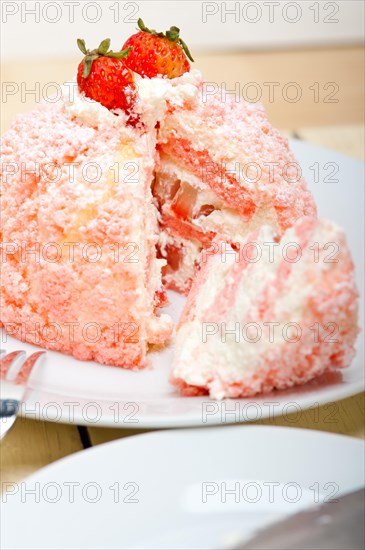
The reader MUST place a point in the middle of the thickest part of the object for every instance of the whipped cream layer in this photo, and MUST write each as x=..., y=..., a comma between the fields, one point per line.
x=87, y=110
x=154, y=96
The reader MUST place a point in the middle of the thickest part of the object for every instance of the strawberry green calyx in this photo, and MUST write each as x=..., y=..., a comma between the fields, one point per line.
x=101, y=51
x=173, y=34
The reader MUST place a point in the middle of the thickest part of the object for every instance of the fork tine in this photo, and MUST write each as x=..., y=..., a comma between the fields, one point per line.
x=27, y=367
x=7, y=361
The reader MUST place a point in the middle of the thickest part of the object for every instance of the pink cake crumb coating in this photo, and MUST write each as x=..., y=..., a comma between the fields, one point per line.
x=93, y=287
x=313, y=299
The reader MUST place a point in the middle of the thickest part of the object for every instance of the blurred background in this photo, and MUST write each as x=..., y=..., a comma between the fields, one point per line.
x=304, y=60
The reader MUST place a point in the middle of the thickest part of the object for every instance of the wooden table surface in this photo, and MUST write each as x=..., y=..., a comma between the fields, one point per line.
x=330, y=112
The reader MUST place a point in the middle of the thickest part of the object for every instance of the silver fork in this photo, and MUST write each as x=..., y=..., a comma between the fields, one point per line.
x=15, y=370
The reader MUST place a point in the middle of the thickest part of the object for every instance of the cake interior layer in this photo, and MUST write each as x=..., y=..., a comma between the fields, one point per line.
x=192, y=214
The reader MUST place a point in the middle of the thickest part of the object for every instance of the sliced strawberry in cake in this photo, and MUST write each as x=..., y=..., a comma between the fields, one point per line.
x=269, y=315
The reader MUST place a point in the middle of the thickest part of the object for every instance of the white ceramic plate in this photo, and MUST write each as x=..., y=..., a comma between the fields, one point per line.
x=87, y=393
x=179, y=489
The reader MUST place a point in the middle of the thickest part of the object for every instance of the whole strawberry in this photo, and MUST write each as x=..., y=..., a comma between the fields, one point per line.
x=155, y=53
x=104, y=76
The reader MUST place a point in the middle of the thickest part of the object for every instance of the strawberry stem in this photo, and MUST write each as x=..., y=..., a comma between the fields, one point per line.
x=173, y=34
x=82, y=46
x=118, y=55
x=104, y=46
x=186, y=49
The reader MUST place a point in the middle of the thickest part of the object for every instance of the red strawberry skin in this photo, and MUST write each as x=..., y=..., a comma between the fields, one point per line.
x=155, y=55
x=110, y=82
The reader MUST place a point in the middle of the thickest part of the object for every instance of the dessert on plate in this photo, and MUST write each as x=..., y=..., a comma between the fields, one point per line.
x=117, y=193
x=272, y=314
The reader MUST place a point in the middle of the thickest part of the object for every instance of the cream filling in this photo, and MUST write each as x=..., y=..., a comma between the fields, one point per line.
x=228, y=222
x=156, y=94
x=87, y=110
x=222, y=220
x=174, y=170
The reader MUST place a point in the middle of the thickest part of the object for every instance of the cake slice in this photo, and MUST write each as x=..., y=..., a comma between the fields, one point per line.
x=223, y=170
x=269, y=315
x=79, y=232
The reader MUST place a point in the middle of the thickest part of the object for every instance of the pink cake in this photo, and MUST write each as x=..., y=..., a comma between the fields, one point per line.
x=272, y=315
x=102, y=211
x=93, y=284
x=223, y=170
